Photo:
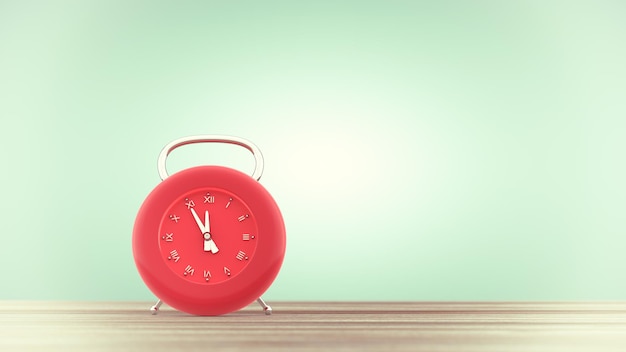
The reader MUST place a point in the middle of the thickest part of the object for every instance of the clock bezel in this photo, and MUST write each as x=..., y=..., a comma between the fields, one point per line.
x=234, y=293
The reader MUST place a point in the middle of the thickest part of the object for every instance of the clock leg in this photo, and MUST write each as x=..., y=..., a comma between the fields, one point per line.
x=155, y=308
x=266, y=308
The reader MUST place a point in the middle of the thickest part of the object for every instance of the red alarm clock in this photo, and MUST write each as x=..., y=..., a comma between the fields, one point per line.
x=209, y=240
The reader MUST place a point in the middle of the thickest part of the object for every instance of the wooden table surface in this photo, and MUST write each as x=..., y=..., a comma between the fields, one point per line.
x=316, y=326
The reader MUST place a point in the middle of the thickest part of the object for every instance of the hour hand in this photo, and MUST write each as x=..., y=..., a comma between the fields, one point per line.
x=195, y=216
x=207, y=223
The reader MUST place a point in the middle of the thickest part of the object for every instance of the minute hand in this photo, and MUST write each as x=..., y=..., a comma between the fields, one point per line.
x=200, y=225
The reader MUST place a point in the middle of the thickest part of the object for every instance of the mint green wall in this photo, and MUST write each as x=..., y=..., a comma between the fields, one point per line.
x=462, y=150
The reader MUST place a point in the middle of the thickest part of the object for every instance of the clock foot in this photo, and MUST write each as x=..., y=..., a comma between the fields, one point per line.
x=266, y=308
x=155, y=308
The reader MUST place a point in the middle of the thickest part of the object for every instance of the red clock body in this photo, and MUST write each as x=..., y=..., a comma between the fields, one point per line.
x=209, y=240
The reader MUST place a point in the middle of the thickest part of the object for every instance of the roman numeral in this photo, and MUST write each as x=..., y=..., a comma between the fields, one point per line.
x=189, y=270
x=209, y=198
x=174, y=255
x=189, y=203
x=241, y=256
x=243, y=217
x=169, y=237
x=207, y=275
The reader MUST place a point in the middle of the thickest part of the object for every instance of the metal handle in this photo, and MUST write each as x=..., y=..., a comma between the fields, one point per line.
x=256, y=152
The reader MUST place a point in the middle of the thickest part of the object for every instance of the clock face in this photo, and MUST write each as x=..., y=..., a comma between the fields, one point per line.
x=208, y=236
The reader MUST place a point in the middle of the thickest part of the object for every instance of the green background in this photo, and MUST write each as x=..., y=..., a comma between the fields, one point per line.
x=453, y=150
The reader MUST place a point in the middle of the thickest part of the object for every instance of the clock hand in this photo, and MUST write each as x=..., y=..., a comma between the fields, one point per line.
x=195, y=216
x=209, y=246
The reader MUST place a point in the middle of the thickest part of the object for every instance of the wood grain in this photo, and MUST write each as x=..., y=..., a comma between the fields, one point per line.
x=316, y=326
